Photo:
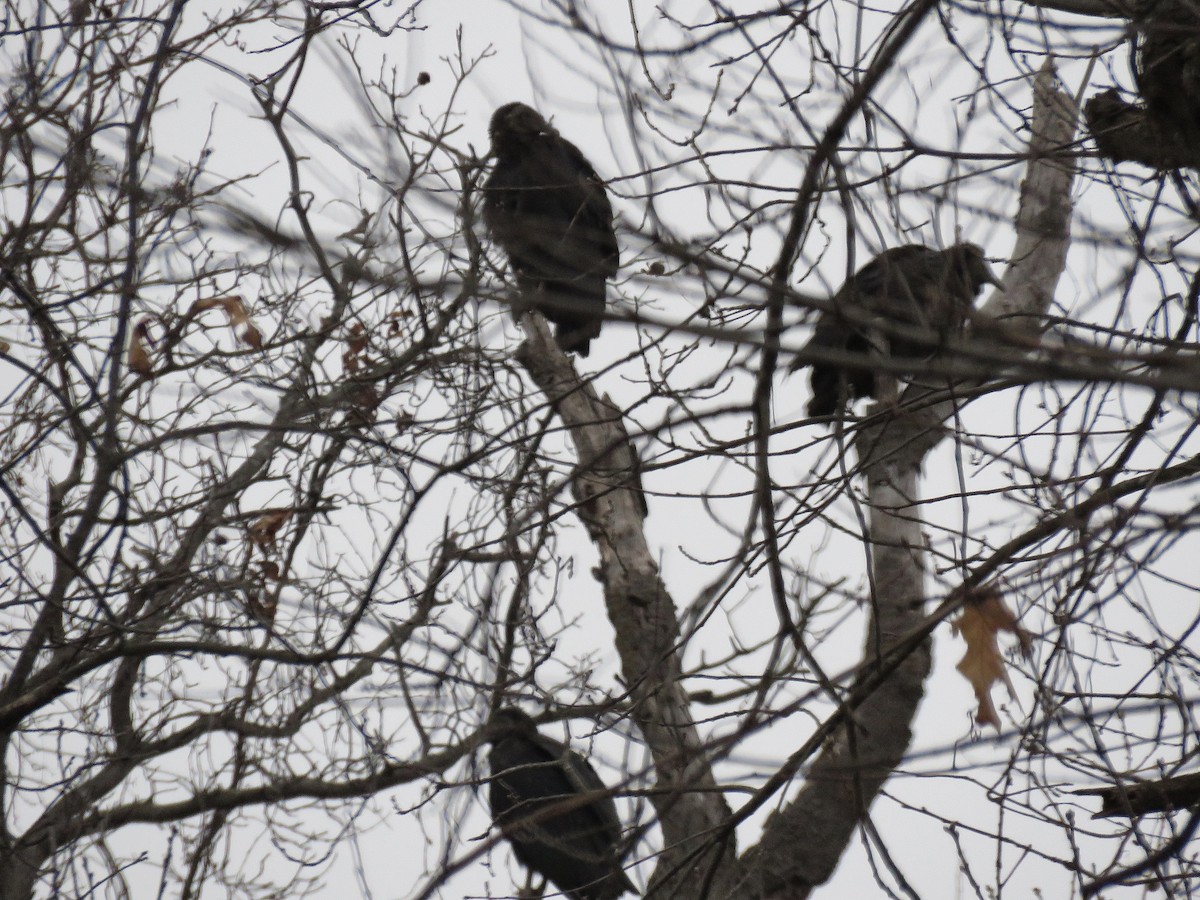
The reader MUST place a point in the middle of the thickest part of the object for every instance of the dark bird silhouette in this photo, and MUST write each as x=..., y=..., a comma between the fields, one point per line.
x=911, y=285
x=1138, y=798
x=1164, y=131
x=1167, y=64
x=1128, y=132
x=537, y=798
x=547, y=208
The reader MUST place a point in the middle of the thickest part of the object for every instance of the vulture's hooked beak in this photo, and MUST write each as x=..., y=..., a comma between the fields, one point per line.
x=994, y=281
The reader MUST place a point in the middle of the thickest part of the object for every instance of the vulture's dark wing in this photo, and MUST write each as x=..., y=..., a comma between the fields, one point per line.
x=912, y=285
x=584, y=780
x=593, y=219
x=883, y=274
x=1167, y=64
x=879, y=288
x=572, y=844
x=827, y=379
x=905, y=284
x=550, y=212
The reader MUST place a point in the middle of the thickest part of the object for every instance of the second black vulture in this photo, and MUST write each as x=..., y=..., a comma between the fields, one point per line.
x=1167, y=65
x=536, y=797
x=911, y=285
x=549, y=211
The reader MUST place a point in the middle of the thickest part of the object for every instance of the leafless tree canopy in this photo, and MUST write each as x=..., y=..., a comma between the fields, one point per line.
x=292, y=504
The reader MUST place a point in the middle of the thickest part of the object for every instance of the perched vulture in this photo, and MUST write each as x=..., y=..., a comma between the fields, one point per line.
x=535, y=796
x=547, y=208
x=910, y=285
x=1167, y=64
x=1128, y=132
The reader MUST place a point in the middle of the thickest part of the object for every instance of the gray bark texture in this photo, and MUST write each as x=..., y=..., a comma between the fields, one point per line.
x=611, y=506
x=855, y=750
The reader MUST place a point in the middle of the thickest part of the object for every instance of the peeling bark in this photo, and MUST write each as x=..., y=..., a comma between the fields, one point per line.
x=612, y=509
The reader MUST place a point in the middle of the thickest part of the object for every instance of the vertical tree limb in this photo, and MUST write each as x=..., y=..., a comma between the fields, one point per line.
x=642, y=613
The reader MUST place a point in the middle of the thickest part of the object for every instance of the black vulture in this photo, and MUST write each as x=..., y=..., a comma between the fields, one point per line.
x=910, y=285
x=1167, y=65
x=547, y=208
x=1127, y=132
x=534, y=795
x=1164, y=133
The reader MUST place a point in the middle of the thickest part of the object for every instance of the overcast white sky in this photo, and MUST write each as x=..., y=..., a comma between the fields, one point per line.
x=387, y=856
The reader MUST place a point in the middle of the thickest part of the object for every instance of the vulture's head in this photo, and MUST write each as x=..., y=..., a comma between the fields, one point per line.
x=970, y=268
x=509, y=721
x=514, y=125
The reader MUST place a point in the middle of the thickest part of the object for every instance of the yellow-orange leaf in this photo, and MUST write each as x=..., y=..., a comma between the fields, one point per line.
x=239, y=318
x=263, y=529
x=984, y=616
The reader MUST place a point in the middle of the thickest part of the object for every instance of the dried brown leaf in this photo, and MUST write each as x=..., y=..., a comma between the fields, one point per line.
x=262, y=607
x=984, y=616
x=367, y=398
x=139, y=356
x=356, y=345
x=252, y=337
x=239, y=318
x=364, y=403
x=262, y=530
x=394, y=318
